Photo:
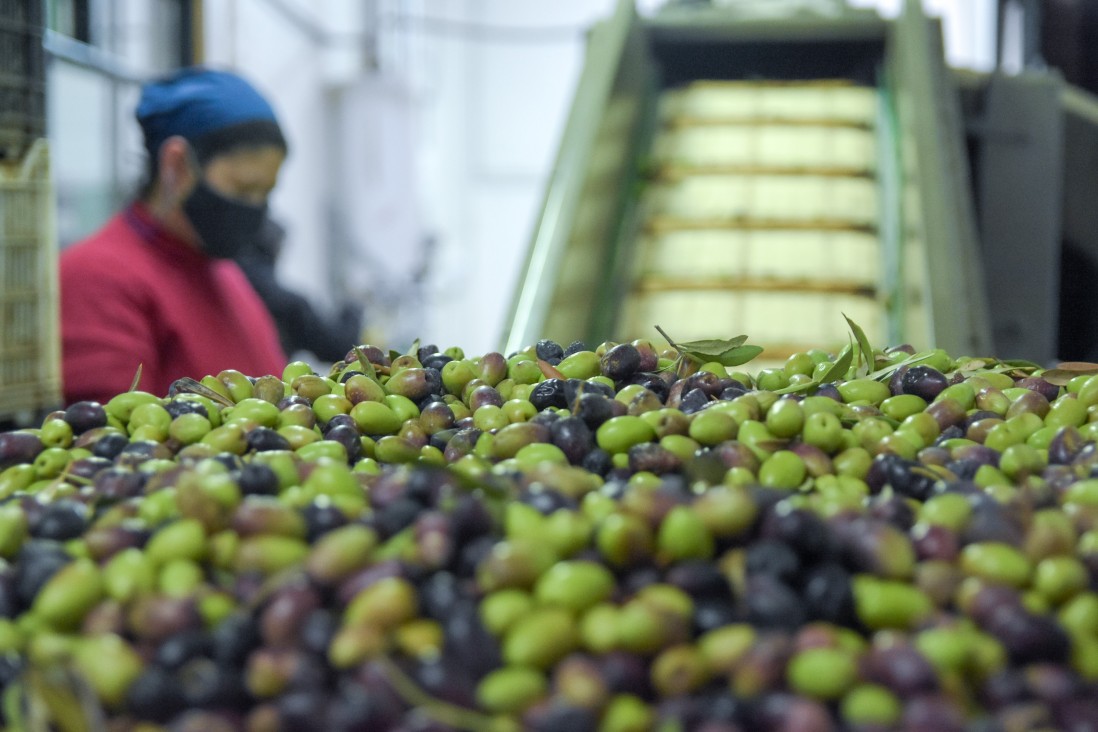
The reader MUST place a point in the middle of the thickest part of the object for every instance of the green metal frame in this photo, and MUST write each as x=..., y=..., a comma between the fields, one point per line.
x=938, y=299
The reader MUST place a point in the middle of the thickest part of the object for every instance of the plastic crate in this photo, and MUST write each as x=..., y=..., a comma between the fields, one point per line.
x=30, y=378
x=22, y=77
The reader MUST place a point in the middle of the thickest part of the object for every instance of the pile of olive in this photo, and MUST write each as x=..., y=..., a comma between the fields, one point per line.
x=564, y=539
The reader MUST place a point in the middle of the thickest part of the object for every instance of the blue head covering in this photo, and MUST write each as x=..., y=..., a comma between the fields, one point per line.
x=196, y=101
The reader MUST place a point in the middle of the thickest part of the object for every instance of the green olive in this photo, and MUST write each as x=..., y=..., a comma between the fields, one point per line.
x=758, y=439
x=951, y=510
x=618, y=434
x=902, y=406
x=822, y=673
x=375, y=418
x=996, y=562
x=888, y=603
x=56, y=433
x=711, y=427
x=517, y=410
x=799, y=363
x=393, y=449
x=580, y=365
x=294, y=369
x=962, y=393
x=121, y=406
x=226, y=438
x=69, y=594
x=783, y=469
x=189, y=428
x=489, y=417
x=785, y=418
x=853, y=462
x=823, y=430
x=319, y=449
x=403, y=407
x=511, y=689
x=869, y=391
x=327, y=406
x=51, y=462
x=259, y=411
x=1066, y=411
x=541, y=638
x=17, y=478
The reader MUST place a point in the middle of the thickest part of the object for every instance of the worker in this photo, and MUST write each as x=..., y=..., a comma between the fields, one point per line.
x=156, y=288
x=300, y=326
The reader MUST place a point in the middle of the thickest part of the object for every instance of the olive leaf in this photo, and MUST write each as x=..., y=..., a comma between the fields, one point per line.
x=887, y=371
x=711, y=346
x=367, y=367
x=837, y=371
x=974, y=364
x=738, y=356
x=1068, y=370
x=727, y=352
x=136, y=378
x=864, y=347
x=414, y=349
x=1079, y=367
x=1021, y=363
x=187, y=385
x=1015, y=368
x=798, y=388
x=841, y=367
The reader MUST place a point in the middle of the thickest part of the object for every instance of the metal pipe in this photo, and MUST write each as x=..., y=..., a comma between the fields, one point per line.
x=86, y=56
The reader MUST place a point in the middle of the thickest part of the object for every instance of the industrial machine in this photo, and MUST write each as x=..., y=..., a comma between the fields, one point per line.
x=727, y=172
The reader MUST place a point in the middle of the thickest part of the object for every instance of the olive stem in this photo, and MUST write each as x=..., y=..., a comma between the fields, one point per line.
x=136, y=377
x=681, y=361
x=669, y=341
x=449, y=714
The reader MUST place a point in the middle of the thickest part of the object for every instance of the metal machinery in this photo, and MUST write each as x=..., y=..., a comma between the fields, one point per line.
x=1033, y=142
x=723, y=173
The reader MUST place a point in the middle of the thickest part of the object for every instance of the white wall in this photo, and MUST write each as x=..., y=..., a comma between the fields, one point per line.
x=494, y=108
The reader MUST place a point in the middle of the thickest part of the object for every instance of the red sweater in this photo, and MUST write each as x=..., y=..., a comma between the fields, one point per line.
x=133, y=293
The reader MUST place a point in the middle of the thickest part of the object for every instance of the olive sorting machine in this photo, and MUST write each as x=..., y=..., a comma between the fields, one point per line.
x=723, y=172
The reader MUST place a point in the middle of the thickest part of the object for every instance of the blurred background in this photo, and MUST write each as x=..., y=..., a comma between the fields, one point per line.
x=422, y=131
x=486, y=173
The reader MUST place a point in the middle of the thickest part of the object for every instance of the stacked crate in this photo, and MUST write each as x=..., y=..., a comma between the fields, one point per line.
x=30, y=380
x=761, y=216
x=22, y=77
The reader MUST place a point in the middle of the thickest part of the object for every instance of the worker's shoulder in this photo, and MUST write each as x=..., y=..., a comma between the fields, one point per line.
x=114, y=250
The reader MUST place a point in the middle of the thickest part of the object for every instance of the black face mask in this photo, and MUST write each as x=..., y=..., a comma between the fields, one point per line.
x=225, y=226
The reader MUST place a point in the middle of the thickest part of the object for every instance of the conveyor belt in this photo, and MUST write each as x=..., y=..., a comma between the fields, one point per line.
x=723, y=175
x=770, y=178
